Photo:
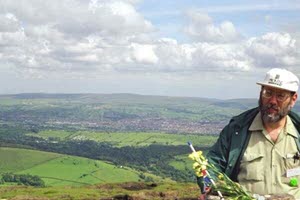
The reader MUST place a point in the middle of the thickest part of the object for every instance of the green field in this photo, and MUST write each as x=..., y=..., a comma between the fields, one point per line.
x=120, y=139
x=56, y=169
x=15, y=160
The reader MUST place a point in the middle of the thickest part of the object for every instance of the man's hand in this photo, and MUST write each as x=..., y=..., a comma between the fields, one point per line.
x=203, y=196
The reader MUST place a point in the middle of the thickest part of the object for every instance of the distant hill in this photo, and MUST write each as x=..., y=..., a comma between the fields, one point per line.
x=120, y=112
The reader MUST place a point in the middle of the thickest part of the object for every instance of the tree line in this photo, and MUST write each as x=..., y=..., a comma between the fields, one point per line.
x=22, y=179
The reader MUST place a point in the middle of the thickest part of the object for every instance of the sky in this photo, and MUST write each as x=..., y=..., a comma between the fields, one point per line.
x=195, y=48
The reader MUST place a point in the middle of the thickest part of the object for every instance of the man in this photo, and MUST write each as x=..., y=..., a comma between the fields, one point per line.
x=260, y=147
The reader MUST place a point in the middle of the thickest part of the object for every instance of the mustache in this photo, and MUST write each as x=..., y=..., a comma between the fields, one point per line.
x=269, y=106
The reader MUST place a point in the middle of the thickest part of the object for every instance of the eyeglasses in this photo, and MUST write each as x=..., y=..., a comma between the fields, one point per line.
x=280, y=96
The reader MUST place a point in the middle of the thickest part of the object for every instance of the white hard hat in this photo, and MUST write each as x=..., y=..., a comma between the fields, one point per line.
x=282, y=79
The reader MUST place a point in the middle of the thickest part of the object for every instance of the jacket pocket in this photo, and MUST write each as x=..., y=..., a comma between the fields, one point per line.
x=251, y=168
x=290, y=163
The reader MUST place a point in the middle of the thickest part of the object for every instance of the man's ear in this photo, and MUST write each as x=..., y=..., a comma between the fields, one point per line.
x=294, y=99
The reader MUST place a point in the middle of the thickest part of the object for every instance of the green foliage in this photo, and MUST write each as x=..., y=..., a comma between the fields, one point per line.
x=23, y=179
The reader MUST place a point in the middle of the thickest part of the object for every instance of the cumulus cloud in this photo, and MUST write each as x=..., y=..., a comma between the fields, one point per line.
x=202, y=28
x=273, y=50
x=173, y=56
x=219, y=57
x=90, y=37
x=144, y=54
x=9, y=22
x=63, y=35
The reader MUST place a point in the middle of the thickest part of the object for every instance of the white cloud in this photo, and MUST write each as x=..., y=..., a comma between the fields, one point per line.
x=68, y=35
x=273, y=50
x=217, y=57
x=172, y=56
x=115, y=18
x=82, y=39
x=144, y=54
x=9, y=22
x=9, y=39
x=202, y=28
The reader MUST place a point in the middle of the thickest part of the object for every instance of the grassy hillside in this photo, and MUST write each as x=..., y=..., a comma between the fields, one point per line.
x=57, y=169
x=15, y=160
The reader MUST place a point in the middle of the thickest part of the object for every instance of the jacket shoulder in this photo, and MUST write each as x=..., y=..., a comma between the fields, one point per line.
x=245, y=117
x=295, y=117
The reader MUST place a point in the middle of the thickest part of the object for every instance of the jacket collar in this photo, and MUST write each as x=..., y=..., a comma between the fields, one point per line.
x=257, y=125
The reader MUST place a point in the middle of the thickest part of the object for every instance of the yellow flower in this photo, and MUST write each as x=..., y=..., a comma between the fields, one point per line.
x=197, y=156
x=203, y=167
x=199, y=173
x=193, y=156
x=205, y=162
x=224, y=184
x=196, y=165
x=221, y=176
x=199, y=153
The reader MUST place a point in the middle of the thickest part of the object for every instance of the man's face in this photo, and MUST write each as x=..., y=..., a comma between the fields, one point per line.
x=275, y=104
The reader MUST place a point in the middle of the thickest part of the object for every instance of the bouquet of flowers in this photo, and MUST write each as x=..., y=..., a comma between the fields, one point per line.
x=222, y=183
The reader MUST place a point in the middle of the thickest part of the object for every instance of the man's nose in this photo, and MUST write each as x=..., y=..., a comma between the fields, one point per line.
x=273, y=99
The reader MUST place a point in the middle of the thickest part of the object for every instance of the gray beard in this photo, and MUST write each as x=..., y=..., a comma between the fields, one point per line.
x=273, y=118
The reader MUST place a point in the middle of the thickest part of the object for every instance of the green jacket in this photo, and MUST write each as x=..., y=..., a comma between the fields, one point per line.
x=227, y=152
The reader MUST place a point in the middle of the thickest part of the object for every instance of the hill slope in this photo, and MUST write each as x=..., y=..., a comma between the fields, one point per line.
x=58, y=169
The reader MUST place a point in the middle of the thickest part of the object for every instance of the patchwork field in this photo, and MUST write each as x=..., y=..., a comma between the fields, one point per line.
x=120, y=139
x=56, y=169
